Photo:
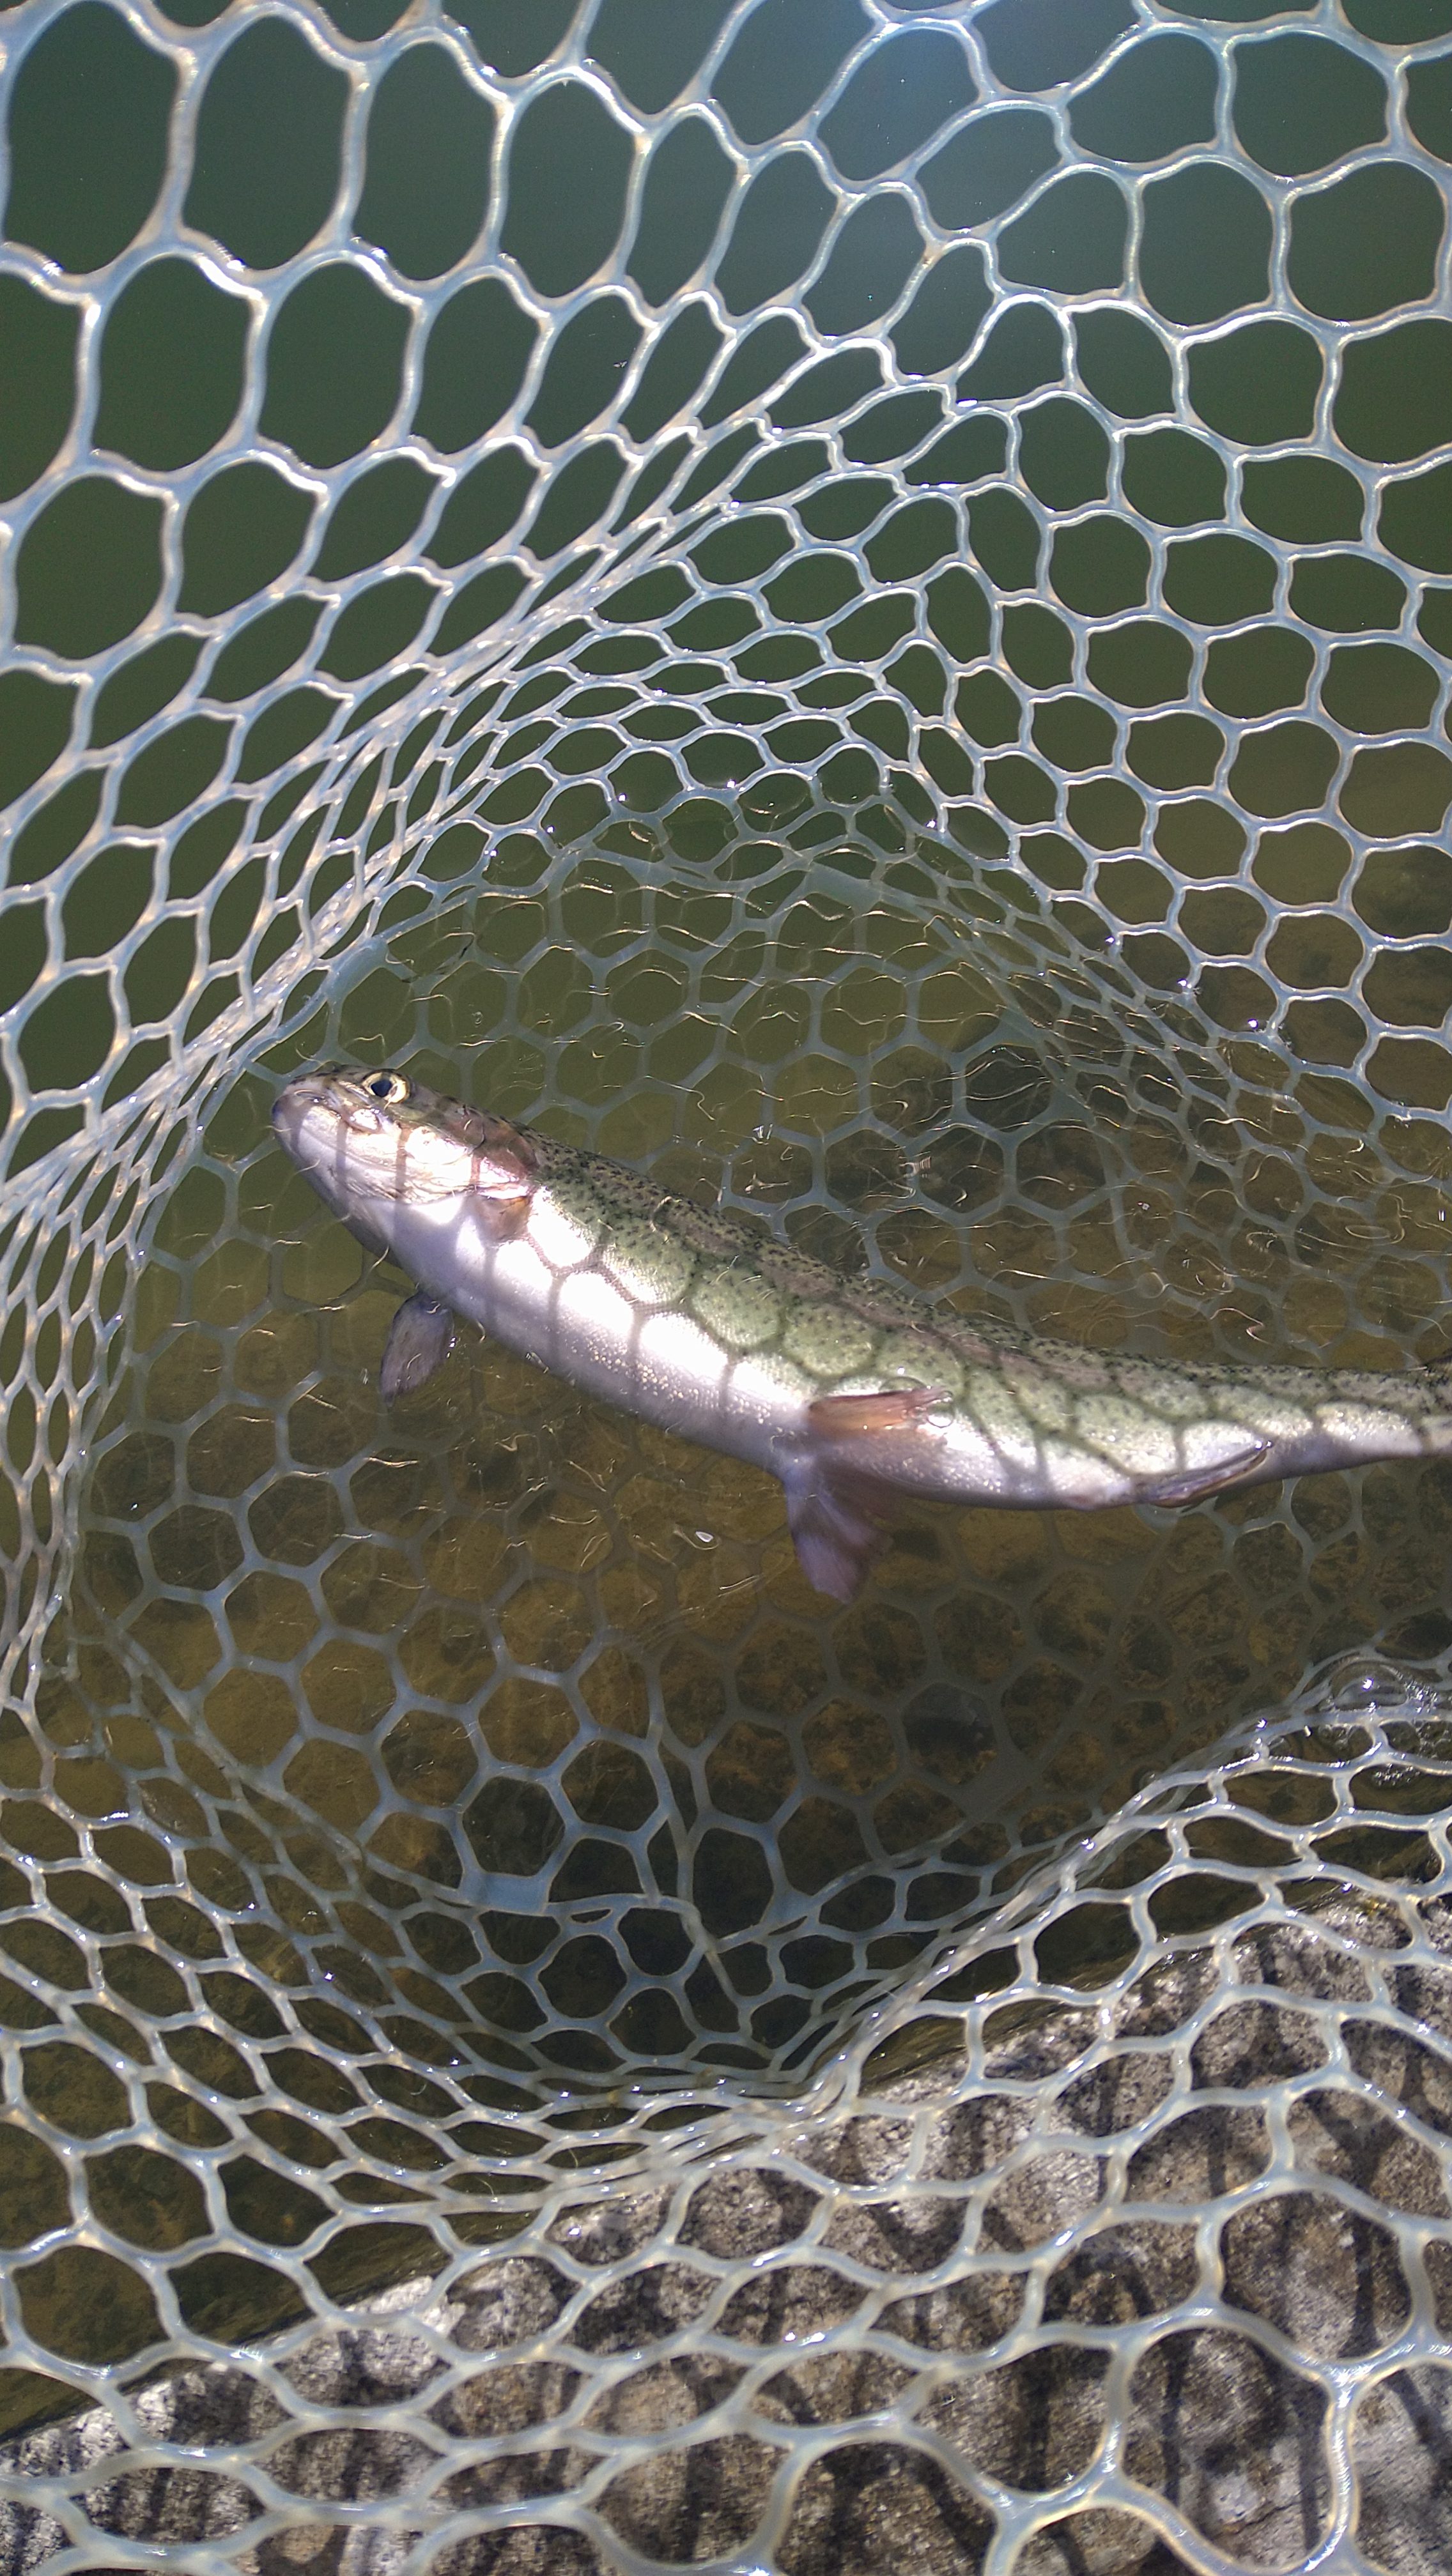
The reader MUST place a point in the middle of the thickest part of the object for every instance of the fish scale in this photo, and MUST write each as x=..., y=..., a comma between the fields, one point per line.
x=854, y=1395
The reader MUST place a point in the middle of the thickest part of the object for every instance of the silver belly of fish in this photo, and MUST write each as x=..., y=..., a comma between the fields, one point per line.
x=851, y=1392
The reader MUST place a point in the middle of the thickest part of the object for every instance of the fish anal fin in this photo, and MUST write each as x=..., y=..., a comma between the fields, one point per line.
x=851, y=1417
x=1198, y=1484
x=420, y=1339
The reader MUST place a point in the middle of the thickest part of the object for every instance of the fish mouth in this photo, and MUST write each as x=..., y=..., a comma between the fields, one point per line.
x=306, y=1091
x=310, y=1120
x=306, y=1095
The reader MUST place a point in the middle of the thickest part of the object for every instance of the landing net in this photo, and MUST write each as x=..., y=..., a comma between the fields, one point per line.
x=849, y=602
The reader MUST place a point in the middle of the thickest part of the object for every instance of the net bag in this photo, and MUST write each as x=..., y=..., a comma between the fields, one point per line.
x=848, y=602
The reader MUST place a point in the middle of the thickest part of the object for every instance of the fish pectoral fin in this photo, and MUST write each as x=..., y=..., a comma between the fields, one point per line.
x=420, y=1339
x=834, y=1524
x=505, y=1213
x=1197, y=1484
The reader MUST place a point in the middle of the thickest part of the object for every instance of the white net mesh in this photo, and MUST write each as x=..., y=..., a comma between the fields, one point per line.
x=849, y=601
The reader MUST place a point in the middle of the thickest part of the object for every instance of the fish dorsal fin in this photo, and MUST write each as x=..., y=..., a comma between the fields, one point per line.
x=420, y=1339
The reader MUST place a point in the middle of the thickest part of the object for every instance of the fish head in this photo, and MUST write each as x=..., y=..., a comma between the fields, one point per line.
x=380, y=1149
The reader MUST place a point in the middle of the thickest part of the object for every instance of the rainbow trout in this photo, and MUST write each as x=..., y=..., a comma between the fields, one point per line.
x=853, y=1393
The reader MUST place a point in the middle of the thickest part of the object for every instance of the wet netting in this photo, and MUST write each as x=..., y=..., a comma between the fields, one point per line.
x=848, y=602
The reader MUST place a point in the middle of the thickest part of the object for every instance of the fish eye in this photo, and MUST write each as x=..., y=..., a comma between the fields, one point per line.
x=390, y=1088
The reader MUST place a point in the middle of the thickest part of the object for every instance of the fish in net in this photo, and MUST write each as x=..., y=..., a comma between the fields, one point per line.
x=849, y=604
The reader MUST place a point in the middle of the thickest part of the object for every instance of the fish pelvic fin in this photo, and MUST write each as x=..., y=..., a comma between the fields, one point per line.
x=835, y=1527
x=835, y=1511
x=420, y=1339
x=853, y=1417
x=1197, y=1484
